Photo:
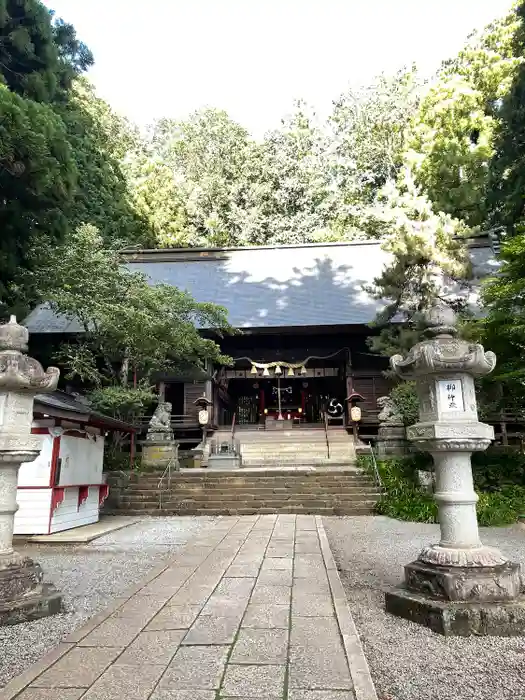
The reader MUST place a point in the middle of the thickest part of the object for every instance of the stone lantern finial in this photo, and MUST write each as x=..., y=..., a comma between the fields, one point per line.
x=17, y=370
x=13, y=336
x=441, y=321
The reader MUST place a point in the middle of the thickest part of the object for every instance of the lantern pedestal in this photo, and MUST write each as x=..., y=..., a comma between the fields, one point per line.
x=459, y=619
x=458, y=586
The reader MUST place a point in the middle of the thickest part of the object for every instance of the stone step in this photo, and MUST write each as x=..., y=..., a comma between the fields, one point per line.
x=256, y=484
x=340, y=512
x=196, y=475
x=256, y=488
x=207, y=496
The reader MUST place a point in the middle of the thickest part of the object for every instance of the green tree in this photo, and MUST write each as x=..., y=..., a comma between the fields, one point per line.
x=37, y=181
x=428, y=263
x=39, y=57
x=503, y=328
x=207, y=155
x=128, y=325
x=452, y=138
x=507, y=172
x=102, y=144
x=288, y=196
x=369, y=131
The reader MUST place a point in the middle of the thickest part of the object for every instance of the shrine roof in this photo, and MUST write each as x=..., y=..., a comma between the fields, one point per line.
x=272, y=287
x=62, y=405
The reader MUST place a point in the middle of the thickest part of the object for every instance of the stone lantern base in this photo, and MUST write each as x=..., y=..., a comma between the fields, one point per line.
x=23, y=594
x=461, y=601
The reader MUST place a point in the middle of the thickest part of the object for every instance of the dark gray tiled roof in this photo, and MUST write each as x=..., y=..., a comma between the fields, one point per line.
x=61, y=401
x=310, y=285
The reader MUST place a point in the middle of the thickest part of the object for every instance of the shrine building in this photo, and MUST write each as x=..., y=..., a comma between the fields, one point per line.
x=303, y=316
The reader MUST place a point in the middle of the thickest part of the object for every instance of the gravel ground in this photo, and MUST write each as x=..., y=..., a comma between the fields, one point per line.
x=89, y=576
x=408, y=662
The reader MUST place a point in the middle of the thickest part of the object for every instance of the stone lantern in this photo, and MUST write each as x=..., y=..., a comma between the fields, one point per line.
x=23, y=594
x=459, y=586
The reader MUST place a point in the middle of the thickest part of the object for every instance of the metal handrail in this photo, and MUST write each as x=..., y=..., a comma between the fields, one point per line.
x=377, y=476
x=173, y=465
x=233, y=426
x=326, y=435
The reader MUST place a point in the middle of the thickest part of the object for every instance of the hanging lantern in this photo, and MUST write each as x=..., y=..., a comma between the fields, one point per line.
x=266, y=373
x=253, y=370
x=278, y=370
x=303, y=370
x=290, y=372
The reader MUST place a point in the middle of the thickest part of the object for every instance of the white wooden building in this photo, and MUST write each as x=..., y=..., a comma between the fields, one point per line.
x=64, y=486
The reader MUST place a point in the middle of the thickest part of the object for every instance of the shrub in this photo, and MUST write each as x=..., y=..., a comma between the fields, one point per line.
x=499, y=481
x=494, y=470
x=119, y=461
x=403, y=498
x=405, y=399
x=502, y=507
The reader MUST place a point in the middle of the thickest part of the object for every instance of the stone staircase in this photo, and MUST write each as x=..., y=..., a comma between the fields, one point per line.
x=282, y=472
x=297, y=447
x=319, y=491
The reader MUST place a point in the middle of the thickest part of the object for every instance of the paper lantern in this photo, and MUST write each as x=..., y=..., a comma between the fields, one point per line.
x=355, y=413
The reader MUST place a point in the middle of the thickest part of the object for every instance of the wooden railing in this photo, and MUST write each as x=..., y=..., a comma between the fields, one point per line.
x=177, y=421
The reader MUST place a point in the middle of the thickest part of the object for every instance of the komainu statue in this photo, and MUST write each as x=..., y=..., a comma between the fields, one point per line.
x=160, y=420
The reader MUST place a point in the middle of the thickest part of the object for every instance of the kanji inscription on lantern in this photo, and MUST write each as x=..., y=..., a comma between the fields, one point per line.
x=450, y=392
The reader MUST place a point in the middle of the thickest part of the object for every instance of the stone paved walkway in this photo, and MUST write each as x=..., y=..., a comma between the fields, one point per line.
x=252, y=609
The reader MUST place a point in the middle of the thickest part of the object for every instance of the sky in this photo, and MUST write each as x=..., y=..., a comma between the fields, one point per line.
x=167, y=58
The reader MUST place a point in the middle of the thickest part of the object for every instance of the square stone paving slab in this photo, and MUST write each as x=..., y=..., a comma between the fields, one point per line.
x=254, y=681
x=277, y=563
x=195, y=667
x=209, y=629
x=317, y=586
x=125, y=683
x=315, y=632
x=114, y=631
x=79, y=668
x=184, y=695
x=157, y=647
x=312, y=605
x=235, y=587
x=326, y=669
x=191, y=594
x=267, y=616
x=51, y=694
x=276, y=595
x=275, y=577
x=225, y=606
x=321, y=695
x=261, y=646
x=141, y=607
x=174, y=617
x=243, y=570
